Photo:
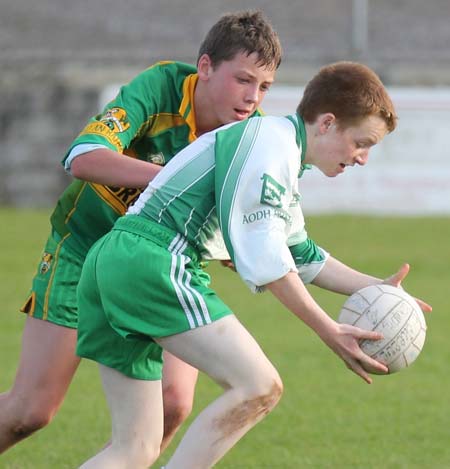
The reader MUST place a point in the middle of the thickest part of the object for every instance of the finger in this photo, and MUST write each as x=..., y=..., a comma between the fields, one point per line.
x=398, y=277
x=361, y=334
x=357, y=368
x=373, y=366
x=425, y=307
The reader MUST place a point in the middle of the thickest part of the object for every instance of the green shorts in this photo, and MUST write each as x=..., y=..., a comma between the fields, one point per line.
x=139, y=282
x=54, y=288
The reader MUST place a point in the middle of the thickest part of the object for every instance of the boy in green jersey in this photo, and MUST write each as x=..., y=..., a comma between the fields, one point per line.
x=153, y=117
x=142, y=288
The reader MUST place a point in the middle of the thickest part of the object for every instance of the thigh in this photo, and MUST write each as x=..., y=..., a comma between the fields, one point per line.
x=224, y=350
x=53, y=292
x=47, y=363
x=179, y=378
x=136, y=408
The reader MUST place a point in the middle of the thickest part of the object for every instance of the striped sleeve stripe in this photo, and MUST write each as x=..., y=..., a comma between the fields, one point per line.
x=232, y=177
x=182, y=180
x=200, y=230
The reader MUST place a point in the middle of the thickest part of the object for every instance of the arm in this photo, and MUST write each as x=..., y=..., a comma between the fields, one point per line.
x=341, y=338
x=105, y=166
x=122, y=123
x=339, y=278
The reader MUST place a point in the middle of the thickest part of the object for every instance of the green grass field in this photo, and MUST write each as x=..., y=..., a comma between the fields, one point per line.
x=328, y=417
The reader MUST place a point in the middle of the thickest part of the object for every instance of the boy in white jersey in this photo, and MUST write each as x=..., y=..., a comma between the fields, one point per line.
x=142, y=288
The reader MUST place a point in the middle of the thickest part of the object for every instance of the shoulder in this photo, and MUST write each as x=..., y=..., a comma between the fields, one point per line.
x=168, y=70
x=162, y=81
x=274, y=129
x=270, y=130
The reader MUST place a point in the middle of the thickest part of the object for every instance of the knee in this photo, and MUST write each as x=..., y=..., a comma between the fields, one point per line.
x=138, y=455
x=177, y=408
x=271, y=393
x=142, y=456
x=252, y=405
x=265, y=392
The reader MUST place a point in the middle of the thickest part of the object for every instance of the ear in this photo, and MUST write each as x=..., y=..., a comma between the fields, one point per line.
x=204, y=67
x=325, y=122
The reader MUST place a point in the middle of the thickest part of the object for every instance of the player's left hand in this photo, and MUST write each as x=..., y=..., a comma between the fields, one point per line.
x=396, y=281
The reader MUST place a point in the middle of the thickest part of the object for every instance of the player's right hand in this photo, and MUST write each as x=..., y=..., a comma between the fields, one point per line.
x=345, y=344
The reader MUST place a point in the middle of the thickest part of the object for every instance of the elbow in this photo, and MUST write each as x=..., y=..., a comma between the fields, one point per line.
x=76, y=169
x=80, y=167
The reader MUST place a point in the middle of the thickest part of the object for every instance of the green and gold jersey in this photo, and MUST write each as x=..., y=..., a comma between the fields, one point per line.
x=152, y=118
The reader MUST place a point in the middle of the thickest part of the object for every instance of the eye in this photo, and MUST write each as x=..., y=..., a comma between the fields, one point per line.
x=265, y=88
x=243, y=80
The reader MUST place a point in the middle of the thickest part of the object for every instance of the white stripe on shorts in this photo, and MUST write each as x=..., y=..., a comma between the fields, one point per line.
x=179, y=293
x=200, y=299
x=184, y=289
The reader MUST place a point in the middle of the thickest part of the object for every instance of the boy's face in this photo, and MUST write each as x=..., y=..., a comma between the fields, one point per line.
x=337, y=148
x=232, y=90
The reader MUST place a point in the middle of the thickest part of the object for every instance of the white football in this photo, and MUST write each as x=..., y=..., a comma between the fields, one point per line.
x=393, y=313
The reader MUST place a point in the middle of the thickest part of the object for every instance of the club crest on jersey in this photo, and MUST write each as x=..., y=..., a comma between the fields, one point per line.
x=272, y=192
x=156, y=158
x=45, y=264
x=116, y=119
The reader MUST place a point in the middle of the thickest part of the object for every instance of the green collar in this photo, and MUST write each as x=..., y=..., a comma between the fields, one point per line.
x=301, y=140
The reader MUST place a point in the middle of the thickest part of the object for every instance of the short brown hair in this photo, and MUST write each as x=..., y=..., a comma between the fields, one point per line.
x=349, y=90
x=245, y=31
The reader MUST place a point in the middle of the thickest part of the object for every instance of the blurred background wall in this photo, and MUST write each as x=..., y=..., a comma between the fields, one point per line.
x=57, y=58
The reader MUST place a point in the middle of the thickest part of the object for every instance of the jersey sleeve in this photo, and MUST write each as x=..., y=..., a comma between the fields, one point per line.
x=309, y=259
x=126, y=117
x=256, y=171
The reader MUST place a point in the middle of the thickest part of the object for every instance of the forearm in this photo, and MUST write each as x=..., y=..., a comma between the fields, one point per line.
x=291, y=291
x=339, y=278
x=104, y=166
x=341, y=338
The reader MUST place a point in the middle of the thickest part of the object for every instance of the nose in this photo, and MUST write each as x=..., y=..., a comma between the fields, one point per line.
x=253, y=94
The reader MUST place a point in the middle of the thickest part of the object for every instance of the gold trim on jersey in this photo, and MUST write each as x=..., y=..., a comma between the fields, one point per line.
x=72, y=211
x=187, y=104
x=161, y=62
x=52, y=276
x=118, y=198
x=99, y=128
x=164, y=121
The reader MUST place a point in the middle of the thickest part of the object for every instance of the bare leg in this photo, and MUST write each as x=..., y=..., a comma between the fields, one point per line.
x=46, y=368
x=137, y=422
x=178, y=385
x=228, y=354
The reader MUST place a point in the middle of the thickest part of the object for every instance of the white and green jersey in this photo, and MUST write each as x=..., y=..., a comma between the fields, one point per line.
x=237, y=188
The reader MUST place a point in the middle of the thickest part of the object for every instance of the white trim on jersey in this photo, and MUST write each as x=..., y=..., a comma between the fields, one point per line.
x=78, y=150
